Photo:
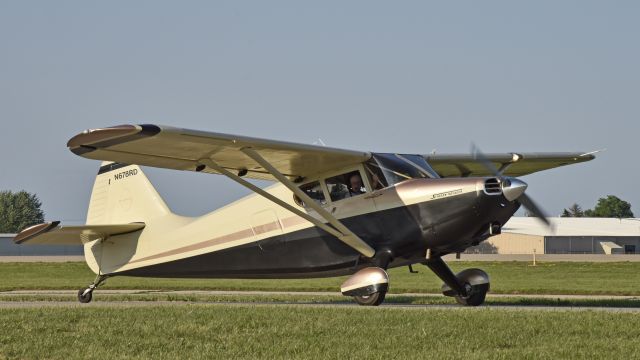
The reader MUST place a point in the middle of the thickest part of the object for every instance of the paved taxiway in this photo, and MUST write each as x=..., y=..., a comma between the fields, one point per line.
x=308, y=293
x=143, y=303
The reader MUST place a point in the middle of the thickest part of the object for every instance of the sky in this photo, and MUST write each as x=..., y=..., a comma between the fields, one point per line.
x=404, y=76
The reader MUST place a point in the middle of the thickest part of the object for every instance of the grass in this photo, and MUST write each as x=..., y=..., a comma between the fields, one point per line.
x=226, y=327
x=293, y=332
x=506, y=278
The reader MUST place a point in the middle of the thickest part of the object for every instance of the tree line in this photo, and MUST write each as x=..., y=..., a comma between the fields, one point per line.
x=608, y=207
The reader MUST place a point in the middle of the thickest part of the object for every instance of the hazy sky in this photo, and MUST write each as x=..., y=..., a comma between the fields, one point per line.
x=380, y=76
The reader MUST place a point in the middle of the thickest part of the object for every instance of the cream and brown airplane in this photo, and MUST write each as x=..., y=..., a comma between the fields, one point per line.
x=331, y=212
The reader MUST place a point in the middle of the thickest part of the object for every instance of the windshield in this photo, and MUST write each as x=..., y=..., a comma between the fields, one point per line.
x=399, y=167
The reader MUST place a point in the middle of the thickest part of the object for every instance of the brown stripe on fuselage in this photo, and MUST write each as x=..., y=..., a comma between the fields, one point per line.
x=238, y=235
x=261, y=229
x=292, y=221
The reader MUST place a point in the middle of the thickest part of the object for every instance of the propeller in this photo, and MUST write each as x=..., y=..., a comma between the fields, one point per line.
x=512, y=188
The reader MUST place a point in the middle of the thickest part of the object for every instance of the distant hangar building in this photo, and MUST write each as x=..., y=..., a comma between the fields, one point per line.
x=9, y=248
x=521, y=235
x=526, y=235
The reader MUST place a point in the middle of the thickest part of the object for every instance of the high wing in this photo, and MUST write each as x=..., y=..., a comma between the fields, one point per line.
x=512, y=164
x=51, y=233
x=181, y=149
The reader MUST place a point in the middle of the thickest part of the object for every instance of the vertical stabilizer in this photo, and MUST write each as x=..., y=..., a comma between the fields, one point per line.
x=122, y=194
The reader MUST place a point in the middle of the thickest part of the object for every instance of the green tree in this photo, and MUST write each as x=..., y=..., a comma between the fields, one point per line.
x=611, y=206
x=18, y=211
x=574, y=210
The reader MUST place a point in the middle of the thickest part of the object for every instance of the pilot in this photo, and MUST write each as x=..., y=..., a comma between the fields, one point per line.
x=355, y=185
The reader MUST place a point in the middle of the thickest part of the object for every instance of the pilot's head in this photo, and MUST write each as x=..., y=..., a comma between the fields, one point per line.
x=356, y=182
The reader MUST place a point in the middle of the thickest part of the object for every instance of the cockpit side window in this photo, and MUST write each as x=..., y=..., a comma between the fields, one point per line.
x=376, y=176
x=345, y=185
x=314, y=191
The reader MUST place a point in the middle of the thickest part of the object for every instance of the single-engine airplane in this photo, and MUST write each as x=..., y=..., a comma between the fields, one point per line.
x=331, y=212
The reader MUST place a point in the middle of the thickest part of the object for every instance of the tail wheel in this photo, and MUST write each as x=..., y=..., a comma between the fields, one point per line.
x=374, y=299
x=85, y=297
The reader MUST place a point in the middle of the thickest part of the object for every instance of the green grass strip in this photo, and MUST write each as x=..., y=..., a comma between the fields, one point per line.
x=292, y=332
x=506, y=278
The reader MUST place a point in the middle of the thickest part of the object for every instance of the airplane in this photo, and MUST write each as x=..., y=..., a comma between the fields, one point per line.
x=331, y=212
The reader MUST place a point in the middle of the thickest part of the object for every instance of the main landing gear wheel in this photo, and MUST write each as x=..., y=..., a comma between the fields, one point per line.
x=469, y=287
x=476, y=285
x=476, y=296
x=374, y=299
x=367, y=287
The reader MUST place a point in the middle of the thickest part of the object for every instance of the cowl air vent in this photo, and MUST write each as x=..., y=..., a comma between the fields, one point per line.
x=492, y=186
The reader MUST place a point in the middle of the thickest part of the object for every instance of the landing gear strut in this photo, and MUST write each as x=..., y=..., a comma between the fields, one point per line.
x=85, y=295
x=469, y=286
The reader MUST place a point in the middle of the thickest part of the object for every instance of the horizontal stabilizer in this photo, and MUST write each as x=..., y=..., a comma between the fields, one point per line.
x=51, y=233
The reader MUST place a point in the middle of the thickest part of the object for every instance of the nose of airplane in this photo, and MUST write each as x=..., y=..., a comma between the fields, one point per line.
x=513, y=188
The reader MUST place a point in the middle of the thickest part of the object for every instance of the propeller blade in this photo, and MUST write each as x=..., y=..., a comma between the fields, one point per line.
x=479, y=156
x=530, y=205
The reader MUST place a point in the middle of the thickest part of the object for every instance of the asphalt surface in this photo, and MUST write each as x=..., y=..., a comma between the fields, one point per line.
x=309, y=293
x=128, y=304
x=13, y=304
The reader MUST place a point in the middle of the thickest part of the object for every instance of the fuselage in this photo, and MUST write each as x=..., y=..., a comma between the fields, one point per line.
x=254, y=238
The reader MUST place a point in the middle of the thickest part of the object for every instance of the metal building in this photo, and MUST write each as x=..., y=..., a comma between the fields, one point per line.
x=9, y=248
x=525, y=235
x=521, y=235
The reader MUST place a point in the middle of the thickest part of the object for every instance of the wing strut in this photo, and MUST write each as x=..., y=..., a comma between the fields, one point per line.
x=336, y=229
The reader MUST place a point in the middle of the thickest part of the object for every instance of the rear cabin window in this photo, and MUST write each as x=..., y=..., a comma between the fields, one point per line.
x=345, y=185
x=314, y=191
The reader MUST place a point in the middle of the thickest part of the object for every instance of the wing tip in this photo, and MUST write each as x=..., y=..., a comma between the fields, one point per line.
x=91, y=139
x=91, y=136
